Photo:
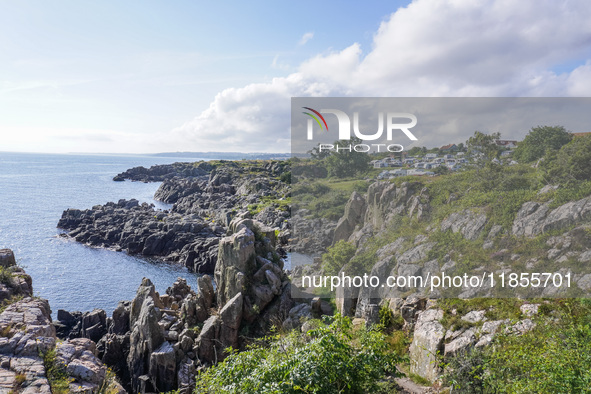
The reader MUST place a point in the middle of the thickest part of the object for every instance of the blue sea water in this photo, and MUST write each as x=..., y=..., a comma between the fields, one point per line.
x=34, y=191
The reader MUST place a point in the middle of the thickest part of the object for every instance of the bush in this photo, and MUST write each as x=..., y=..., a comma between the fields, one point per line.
x=571, y=163
x=555, y=357
x=329, y=359
x=539, y=141
x=337, y=257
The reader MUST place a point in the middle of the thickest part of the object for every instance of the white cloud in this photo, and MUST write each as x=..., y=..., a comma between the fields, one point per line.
x=305, y=38
x=430, y=48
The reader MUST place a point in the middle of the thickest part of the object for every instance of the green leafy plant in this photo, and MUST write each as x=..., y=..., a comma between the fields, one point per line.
x=329, y=359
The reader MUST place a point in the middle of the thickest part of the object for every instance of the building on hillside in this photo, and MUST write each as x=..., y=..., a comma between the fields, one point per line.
x=581, y=134
x=448, y=148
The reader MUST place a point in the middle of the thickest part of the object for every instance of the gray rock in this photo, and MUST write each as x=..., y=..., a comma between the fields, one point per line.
x=297, y=315
x=416, y=254
x=146, y=337
x=473, y=316
x=354, y=214
x=206, y=291
x=466, y=222
x=427, y=344
x=206, y=343
x=534, y=218
x=231, y=317
x=234, y=253
x=461, y=343
x=7, y=258
x=163, y=368
x=529, y=310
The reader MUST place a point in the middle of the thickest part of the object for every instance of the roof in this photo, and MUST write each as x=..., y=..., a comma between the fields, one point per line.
x=447, y=146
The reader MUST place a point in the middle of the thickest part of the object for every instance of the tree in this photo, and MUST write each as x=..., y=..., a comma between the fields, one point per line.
x=343, y=162
x=571, y=163
x=485, y=144
x=315, y=153
x=539, y=140
x=414, y=151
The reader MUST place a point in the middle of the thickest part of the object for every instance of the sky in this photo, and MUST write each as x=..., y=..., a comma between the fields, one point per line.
x=154, y=76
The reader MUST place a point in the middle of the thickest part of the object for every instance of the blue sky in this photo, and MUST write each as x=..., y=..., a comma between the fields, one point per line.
x=150, y=76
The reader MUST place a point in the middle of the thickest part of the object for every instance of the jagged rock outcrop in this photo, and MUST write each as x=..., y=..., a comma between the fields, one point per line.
x=28, y=342
x=469, y=224
x=157, y=342
x=162, y=172
x=241, y=268
x=308, y=235
x=353, y=217
x=206, y=198
x=91, y=325
x=385, y=200
x=18, y=283
x=139, y=229
x=426, y=345
x=534, y=218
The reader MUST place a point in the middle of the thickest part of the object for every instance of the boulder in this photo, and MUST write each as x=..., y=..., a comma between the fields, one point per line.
x=163, y=368
x=231, y=317
x=534, y=218
x=427, y=344
x=7, y=258
x=469, y=224
x=354, y=214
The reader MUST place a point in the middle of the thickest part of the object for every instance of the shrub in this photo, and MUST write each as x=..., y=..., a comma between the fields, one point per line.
x=541, y=140
x=337, y=257
x=329, y=359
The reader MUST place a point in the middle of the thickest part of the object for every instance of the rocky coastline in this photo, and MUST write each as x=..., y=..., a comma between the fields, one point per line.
x=158, y=342
x=231, y=221
x=206, y=196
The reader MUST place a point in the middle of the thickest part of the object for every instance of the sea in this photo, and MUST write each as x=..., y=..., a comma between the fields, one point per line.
x=34, y=191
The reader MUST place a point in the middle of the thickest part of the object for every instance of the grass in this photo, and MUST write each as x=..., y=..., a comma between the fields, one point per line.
x=419, y=379
x=59, y=381
x=5, y=275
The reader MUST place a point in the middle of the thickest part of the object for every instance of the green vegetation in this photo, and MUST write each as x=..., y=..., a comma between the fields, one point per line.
x=571, y=163
x=266, y=201
x=332, y=358
x=555, y=357
x=325, y=198
x=337, y=257
x=5, y=275
x=345, y=163
x=485, y=144
x=540, y=141
x=56, y=373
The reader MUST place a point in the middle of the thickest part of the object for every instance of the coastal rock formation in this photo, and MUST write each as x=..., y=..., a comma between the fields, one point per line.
x=139, y=229
x=165, y=171
x=28, y=346
x=206, y=197
x=156, y=342
x=17, y=282
x=534, y=218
